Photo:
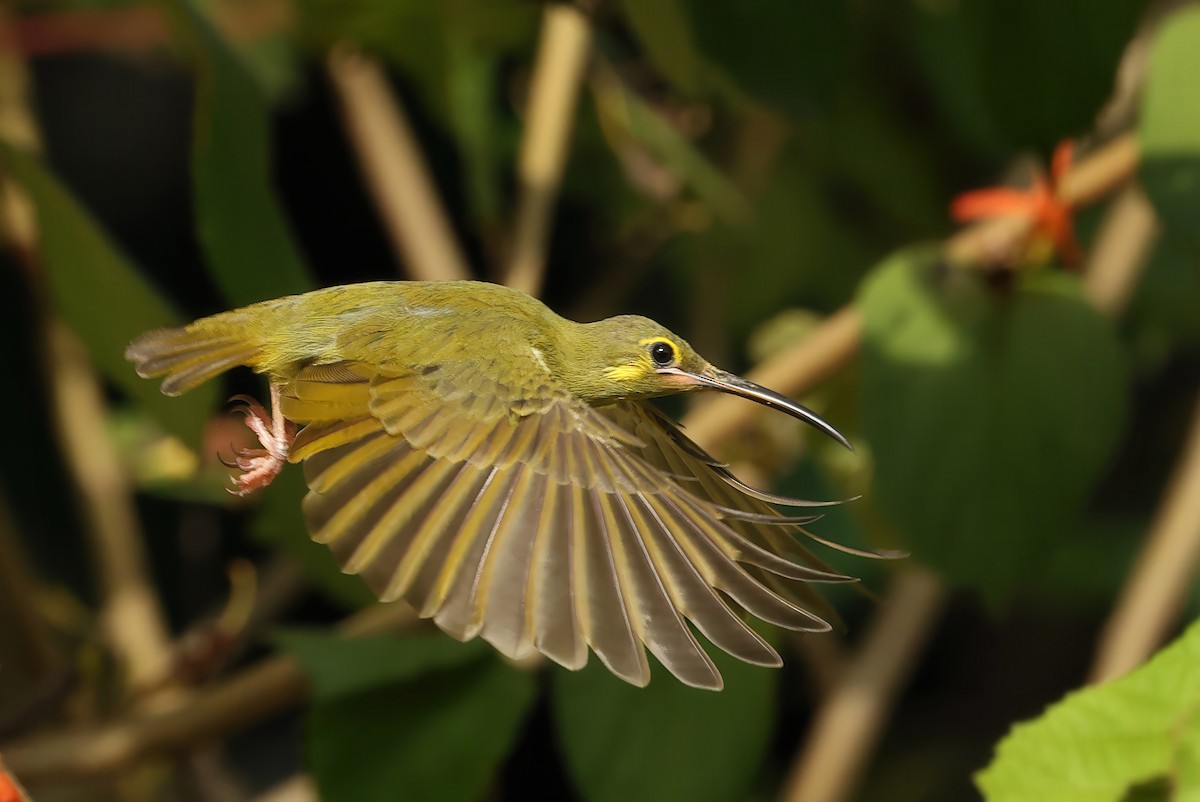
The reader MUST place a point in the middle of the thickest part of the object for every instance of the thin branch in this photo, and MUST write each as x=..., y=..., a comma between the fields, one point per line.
x=260, y=691
x=299, y=788
x=1157, y=588
x=847, y=724
x=131, y=615
x=1120, y=251
x=390, y=160
x=553, y=96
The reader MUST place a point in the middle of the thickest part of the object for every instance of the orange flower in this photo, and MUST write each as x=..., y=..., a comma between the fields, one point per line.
x=1040, y=203
x=8, y=789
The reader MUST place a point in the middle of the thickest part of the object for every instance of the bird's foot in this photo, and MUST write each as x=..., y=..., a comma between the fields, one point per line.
x=260, y=466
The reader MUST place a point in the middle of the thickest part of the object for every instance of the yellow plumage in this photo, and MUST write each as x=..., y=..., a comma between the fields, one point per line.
x=499, y=468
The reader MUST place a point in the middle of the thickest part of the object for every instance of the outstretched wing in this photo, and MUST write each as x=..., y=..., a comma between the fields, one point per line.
x=522, y=515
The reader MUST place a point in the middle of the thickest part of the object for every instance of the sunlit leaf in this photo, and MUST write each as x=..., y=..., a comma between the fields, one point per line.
x=1137, y=737
x=1169, y=130
x=412, y=718
x=248, y=242
x=101, y=295
x=664, y=741
x=989, y=412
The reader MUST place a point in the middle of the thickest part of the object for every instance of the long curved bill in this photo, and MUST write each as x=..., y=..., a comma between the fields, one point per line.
x=735, y=385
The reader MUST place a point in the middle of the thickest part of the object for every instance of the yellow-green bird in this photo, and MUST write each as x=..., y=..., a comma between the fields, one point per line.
x=500, y=468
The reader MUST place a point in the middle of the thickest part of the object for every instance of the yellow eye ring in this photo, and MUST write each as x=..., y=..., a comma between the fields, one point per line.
x=662, y=352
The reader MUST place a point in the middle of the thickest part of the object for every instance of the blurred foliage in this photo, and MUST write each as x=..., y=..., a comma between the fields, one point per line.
x=613, y=734
x=1170, y=120
x=732, y=163
x=1111, y=743
x=374, y=729
x=90, y=280
x=978, y=372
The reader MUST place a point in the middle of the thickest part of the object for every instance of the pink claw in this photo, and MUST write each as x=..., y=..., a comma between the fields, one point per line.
x=260, y=466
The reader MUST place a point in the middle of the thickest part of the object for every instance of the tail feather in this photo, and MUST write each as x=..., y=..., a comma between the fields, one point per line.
x=188, y=357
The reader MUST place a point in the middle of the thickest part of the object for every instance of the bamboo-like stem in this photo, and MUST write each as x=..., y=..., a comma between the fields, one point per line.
x=131, y=616
x=390, y=160
x=299, y=788
x=847, y=724
x=558, y=75
x=213, y=713
x=1120, y=251
x=1156, y=589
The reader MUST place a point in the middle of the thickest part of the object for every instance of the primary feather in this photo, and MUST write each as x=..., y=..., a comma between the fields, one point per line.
x=499, y=468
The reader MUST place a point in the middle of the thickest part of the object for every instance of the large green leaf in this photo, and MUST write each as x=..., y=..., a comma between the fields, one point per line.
x=1110, y=742
x=339, y=667
x=410, y=718
x=989, y=412
x=789, y=54
x=101, y=295
x=1040, y=69
x=249, y=244
x=1170, y=126
x=664, y=741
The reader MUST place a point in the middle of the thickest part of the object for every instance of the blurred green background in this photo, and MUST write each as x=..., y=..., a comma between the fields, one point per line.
x=737, y=171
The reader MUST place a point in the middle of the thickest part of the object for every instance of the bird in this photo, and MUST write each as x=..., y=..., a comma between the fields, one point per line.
x=503, y=470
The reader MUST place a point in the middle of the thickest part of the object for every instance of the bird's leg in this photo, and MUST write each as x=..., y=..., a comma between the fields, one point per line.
x=260, y=466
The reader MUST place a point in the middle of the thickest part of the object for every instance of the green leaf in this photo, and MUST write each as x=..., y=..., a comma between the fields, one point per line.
x=280, y=524
x=622, y=108
x=101, y=295
x=438, y=738
x=338, y=667
x=1170, y=126
x=664, y=741
x=665, y=31
x=789, y=54
x=990, y=413
x=1040, y=69
x=249, y=244
x=1137, y=737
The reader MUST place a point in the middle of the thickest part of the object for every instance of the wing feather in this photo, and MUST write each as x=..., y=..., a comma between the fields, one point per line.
x=521, y=515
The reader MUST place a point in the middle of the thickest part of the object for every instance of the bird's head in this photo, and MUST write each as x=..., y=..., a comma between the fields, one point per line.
x=634, y=357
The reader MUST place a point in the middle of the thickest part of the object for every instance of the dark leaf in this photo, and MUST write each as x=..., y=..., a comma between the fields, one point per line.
x=664, y=741
x=101, y=295
x=249, y=244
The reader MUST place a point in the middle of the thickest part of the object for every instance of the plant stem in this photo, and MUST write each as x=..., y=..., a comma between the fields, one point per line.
x=553, y=96
x=394, y=170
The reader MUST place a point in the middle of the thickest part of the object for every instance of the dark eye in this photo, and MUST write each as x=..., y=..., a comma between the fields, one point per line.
x=662, y=353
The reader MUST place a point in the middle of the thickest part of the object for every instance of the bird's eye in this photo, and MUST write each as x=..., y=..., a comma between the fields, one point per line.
x=662, y=353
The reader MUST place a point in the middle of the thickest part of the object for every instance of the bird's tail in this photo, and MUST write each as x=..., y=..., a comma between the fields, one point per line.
x=191, y=355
